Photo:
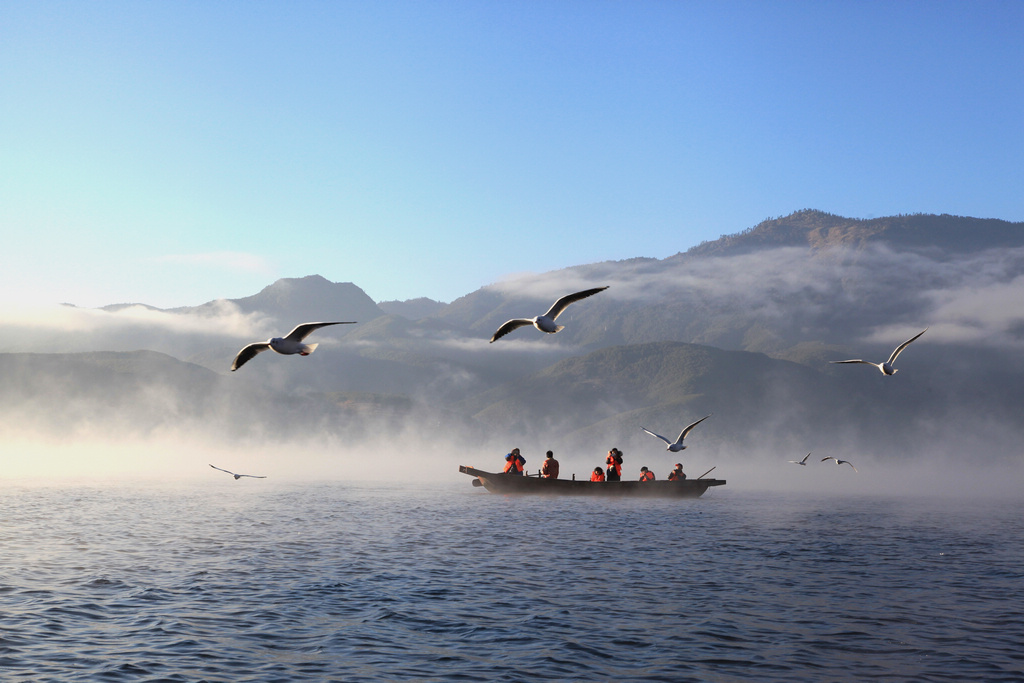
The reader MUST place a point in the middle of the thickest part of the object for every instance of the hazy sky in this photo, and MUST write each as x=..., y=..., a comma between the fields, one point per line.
x=177, y=152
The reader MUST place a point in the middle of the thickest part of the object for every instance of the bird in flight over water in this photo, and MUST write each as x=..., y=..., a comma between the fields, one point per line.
x=886, y=367
x=839, y=462
x=289, y=344
x=546, y=322
x=237, y=476
x=678, y=444
x=802, y=462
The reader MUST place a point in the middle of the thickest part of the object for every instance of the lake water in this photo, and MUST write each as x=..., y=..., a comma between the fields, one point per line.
x=262, y=581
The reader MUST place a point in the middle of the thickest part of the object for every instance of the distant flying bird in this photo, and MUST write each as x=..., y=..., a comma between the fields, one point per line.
x=546, y=322
x=839, y=462
x=802, y=462
x=287, y=345
x=237, y=476
x=678, y=444
x=886, y=367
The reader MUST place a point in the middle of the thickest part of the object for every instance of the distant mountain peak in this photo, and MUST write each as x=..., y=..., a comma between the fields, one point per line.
x=822, y=230
x=311, y=298
x=294, y=300
x=300, y=284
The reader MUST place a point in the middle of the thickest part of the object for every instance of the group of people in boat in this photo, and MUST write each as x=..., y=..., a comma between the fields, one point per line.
x=515, y=463
x=614, y=474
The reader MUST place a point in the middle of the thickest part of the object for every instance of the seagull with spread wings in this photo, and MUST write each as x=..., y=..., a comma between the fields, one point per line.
x=237, y=476
x=546, y=322
x=677, y=445
x=886, y=367
x=289, y=344
x=839, y=462
x=801, y=462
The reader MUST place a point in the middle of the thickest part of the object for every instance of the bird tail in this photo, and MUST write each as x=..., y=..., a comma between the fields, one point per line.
x=308, y=349
x=559, y=328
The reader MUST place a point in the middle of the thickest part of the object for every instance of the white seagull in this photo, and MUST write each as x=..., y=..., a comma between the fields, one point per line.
x=802, y=462
x=886, y=367
x=287, y=345
x=237, y=476
x=678, y=444
x=546, y=322
x=839, y=462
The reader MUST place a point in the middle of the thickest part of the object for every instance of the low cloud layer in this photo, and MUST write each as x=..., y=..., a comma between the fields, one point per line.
x=439, y=374
x=972, y=298
x=965, y=299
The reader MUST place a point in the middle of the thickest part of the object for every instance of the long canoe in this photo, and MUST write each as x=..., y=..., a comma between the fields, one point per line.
x=499, y=482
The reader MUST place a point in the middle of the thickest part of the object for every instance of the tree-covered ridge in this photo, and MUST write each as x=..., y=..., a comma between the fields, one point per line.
x=821, y=230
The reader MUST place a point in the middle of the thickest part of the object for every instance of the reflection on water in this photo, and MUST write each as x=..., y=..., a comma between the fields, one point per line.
x=253, y=581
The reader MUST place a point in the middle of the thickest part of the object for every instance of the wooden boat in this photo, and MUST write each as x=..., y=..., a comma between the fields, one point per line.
x=499, y=482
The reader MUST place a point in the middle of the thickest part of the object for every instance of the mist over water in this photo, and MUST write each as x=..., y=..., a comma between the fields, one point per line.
x=267, y=580
x=413, y=454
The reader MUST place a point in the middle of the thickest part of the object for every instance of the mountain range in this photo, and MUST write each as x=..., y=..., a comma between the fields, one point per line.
x=742, y=328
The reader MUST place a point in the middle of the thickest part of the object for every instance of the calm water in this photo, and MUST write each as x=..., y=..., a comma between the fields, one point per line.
x=256, y=581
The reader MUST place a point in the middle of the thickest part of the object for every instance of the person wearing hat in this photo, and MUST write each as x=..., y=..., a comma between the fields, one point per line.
x=549, y=470
x=646, y=474
x=677, y=474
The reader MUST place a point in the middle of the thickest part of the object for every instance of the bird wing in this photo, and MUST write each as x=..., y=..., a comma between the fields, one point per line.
x=855, y=360
x=682, y=434
x=656, y=435
x=513, y=324
x=801, y=462
x=251, y=476
x=563, y=303
x=246, y=354
x=305, y=329
x=892, y=358
x=222, y=470
x=829, y=458
x=840, y=462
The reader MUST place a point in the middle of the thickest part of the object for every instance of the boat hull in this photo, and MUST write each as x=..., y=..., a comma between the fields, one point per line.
x=499, y=482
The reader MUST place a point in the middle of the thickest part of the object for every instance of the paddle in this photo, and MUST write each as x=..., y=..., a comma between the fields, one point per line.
x=706, y=473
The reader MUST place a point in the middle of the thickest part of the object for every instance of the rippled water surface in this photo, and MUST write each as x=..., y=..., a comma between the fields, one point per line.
x=256, y=581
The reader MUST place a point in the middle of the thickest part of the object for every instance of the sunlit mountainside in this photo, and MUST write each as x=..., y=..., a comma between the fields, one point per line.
x=742, y=328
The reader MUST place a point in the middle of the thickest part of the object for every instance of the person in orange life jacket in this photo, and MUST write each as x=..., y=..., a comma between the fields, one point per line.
x=646, y=474
x=677, y=474
x=514, y=462
x=549, y=470
x=613, y=464
x=597, y=475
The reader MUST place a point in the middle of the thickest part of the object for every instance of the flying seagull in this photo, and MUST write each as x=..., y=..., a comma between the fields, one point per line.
x=804, y=461
x=678, y=445
x=287, y=345
x=546, y=322
x=838, y=461
x=237, y=476
x=886, y=367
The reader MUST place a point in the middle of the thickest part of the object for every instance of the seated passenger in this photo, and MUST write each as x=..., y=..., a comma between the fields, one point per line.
x=549, y=470
x=646, y=474
x=677, y=474
x=597, y=474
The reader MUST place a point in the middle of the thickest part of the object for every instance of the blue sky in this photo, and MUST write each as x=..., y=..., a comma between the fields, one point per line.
x=176, y=152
